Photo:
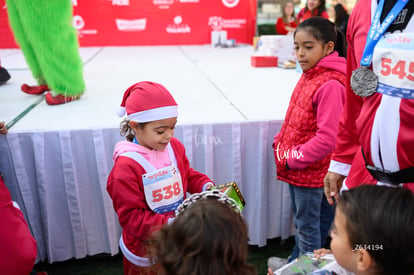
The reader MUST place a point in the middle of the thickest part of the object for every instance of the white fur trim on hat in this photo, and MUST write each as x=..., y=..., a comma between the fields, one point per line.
x=121, y=111
x=155, y=114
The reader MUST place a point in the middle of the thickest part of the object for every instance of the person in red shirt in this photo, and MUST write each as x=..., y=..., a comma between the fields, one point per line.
x=313, y=8
x=287, y=23
x=17, y=246
x=375, y=136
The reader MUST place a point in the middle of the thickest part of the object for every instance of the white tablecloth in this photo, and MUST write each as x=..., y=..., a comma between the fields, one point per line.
x=59, y=180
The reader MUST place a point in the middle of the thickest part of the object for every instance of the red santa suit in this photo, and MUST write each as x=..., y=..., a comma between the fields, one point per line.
x=17, y=246
x=125, y=186
x=381, y=125
x=147, y=184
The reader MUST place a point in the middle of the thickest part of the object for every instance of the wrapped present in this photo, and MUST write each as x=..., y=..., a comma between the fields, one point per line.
x=232, y=191
x=264, y=61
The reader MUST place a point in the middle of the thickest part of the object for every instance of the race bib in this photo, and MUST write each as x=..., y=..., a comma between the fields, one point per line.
x=393, y=63
x=163, y=189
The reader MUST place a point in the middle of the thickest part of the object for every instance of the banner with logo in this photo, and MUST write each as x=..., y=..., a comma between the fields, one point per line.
x=153, y=22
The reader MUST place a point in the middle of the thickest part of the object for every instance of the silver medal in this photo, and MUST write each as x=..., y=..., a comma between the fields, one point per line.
x=364, y=82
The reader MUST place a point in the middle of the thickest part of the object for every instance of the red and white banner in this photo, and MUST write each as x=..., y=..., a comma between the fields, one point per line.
x=153, y=22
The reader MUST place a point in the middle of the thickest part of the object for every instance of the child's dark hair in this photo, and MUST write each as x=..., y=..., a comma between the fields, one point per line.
x=126, y=130
x=324, y=30
x=382, y=218
x=208, y=237
x=340, y=14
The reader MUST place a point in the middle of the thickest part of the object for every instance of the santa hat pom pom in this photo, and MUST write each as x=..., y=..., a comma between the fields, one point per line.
x=121, y=111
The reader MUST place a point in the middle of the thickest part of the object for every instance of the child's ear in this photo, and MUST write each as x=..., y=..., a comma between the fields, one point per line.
x=133, y=124
x=330, y=46
x=364, y=260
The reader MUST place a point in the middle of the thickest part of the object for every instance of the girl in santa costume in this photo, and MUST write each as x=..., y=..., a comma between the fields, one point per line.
x=151, y=174
x=376, y=132
x=306, y=140
x=49, y=44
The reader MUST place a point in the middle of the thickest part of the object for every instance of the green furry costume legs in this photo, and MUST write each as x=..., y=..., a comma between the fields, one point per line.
x=43, y=30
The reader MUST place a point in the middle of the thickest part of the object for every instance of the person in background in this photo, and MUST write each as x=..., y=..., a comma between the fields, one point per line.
x=303, y=147
x=287, y=23
x=375, y=138
x=313, y=8
x=151, y=174
x=373, y=231
x=341, y=17
x=208, y=236
x=18, y=248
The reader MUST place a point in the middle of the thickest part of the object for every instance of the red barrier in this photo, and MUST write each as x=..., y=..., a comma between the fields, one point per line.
x=153, y=22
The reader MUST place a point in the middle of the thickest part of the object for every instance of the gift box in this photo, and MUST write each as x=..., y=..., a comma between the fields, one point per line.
x=277, y=45
x=264, y=61
x=232, y=191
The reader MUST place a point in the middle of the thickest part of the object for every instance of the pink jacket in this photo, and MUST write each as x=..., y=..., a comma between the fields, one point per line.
x=158, y=159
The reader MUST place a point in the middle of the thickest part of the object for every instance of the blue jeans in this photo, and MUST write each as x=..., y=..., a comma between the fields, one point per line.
x=312, y=218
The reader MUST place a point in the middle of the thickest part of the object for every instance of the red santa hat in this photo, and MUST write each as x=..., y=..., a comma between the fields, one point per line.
x=148, y=101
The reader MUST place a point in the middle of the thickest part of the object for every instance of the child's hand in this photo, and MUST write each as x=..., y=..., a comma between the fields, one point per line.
x=170, y=220
x=321, y=252
x=208, y=186
x=269, y=271
x=3, y=128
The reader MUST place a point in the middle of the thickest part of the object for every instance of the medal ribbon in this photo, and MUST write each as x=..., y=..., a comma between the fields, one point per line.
x=376, y=30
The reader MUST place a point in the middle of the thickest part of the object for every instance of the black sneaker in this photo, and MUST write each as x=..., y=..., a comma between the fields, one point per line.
x=4, y=75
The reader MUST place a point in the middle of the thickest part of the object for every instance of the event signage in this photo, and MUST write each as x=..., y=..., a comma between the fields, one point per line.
x=153, y=22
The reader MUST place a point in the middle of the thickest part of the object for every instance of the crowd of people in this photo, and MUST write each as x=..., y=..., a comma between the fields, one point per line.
x=287, y=23
x=344, y=149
